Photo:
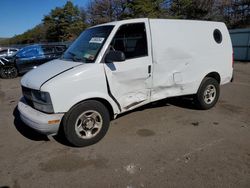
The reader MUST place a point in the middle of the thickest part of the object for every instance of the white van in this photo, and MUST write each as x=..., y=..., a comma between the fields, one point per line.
x=116, y=67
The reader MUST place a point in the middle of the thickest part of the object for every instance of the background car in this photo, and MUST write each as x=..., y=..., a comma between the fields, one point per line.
x=8, y=52
x=28, y=58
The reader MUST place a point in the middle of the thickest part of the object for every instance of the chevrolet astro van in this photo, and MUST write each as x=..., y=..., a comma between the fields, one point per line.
x=119, y=66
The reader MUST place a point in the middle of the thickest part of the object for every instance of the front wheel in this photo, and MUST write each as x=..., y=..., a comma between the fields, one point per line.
x=208, y=94
x=86, y=123
x=8, y=72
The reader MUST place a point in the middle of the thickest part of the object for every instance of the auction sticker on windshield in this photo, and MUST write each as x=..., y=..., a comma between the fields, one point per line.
x=98, y=40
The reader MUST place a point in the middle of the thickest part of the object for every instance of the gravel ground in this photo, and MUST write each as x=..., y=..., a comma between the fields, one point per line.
x=165, y=144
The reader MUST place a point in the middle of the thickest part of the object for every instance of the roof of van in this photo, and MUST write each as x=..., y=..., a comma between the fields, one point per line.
x=146, y=19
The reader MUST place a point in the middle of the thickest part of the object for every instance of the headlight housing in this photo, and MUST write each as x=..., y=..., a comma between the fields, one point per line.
x=39, y=100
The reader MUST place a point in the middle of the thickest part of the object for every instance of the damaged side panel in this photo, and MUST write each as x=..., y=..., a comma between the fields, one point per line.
x=183, y=58
x=170, y=76
x=129, y=82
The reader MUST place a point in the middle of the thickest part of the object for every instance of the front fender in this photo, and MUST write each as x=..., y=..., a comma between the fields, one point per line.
x=89, y=96
x=76, y=85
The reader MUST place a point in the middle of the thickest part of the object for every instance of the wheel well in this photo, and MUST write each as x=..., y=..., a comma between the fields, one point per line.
x=105, y=103
x=214, y=75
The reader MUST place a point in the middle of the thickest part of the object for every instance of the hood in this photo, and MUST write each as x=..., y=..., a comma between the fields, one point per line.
x=36, y=77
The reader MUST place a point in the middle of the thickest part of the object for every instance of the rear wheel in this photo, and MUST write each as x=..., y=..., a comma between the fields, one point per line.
x=86, y=123
x=8, y=72
x=208, y=93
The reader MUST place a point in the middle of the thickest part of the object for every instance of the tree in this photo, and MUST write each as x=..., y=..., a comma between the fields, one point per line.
x=67, y=22
x=236, y=12
x=147, y=8
x=64, y=23
x=101, y=11
x=35, y=35
x=191, y=9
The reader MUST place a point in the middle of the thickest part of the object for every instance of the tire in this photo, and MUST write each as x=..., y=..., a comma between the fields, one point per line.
x=2, y=75
x=86, y=123
x=8, y=72
x=208, y=94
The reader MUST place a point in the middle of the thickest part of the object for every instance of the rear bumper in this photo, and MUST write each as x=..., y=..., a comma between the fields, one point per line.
x=39, y=121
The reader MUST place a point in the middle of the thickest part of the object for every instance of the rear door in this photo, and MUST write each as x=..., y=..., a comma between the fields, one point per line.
x=129, y=82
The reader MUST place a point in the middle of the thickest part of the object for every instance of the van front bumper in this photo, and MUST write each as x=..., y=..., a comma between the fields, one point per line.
x=47, y=124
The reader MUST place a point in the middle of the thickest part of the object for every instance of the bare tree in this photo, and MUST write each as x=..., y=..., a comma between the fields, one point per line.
x=101, y=11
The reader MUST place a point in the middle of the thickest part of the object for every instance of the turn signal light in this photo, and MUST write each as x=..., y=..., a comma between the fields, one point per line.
x=53, y=121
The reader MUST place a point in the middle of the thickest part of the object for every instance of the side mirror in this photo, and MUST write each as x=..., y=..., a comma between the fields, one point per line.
x=115, y=56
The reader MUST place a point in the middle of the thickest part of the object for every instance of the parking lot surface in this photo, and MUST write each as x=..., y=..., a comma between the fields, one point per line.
x=165, y=144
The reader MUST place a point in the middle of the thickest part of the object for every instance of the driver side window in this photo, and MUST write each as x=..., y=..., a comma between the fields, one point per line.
x=131, y=39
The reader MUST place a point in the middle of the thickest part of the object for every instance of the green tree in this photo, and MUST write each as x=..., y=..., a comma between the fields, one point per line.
x=64, y=23
x=35, y=35
x=101, y=11
x=147, y=8
x=191, y=9
x=67, y=22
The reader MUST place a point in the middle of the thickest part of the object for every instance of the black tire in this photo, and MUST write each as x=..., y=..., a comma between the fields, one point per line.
x=205, y=101
x=8, y=72
x=2, y=72
x=71, y=120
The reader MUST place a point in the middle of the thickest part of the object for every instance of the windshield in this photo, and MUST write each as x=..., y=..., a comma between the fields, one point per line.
x=29, y=51
x=87, y=46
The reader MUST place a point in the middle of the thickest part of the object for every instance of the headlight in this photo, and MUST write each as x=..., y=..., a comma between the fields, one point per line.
x=42, y=101
x=40, y=97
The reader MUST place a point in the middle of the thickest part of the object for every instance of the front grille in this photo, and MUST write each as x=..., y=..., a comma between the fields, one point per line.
x=27, y=95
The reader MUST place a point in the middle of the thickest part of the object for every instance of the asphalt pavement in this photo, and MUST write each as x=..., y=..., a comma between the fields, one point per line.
x=165, y=144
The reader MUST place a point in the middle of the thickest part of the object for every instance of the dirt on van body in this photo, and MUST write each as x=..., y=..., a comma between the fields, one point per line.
x=165, y=144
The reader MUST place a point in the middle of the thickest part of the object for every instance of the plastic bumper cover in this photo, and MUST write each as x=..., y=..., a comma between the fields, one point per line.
x=39, y=121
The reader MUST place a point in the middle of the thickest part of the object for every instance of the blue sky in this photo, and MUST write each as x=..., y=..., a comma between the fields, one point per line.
x=17, y=16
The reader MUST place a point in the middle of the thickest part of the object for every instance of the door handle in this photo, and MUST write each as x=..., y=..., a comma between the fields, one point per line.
x=149, y=69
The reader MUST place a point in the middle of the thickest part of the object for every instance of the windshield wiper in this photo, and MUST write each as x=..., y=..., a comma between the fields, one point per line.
x=74, y=58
